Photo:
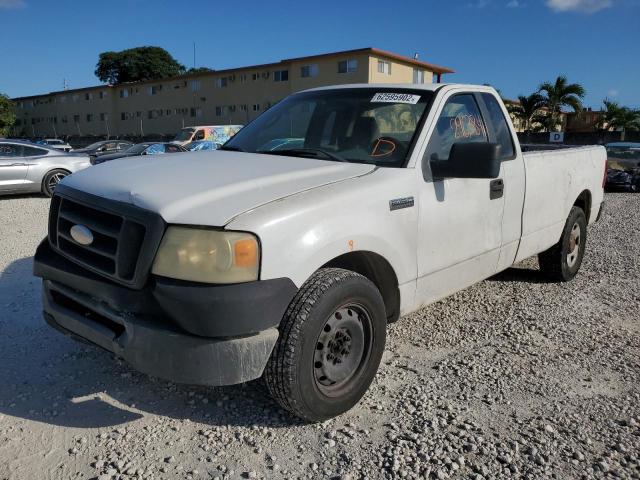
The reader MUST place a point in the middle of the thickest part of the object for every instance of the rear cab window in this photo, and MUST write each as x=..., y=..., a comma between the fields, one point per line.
x=498, y=128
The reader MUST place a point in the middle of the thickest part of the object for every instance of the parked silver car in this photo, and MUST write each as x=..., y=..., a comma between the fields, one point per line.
x=27, y=168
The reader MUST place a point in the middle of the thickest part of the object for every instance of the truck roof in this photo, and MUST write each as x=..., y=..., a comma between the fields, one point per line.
x=430, y=87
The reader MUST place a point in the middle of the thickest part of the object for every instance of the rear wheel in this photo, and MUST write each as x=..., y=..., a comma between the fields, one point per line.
x=562, y=261
x=331, y=342
x=51, y=180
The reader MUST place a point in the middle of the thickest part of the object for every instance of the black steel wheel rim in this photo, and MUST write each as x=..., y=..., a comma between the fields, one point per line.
x=342, y=349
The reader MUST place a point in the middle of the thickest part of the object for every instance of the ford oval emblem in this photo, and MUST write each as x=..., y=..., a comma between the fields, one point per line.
x=81, y=234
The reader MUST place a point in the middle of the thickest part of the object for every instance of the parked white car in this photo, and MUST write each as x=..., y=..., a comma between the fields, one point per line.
x=56, y=144
x=29, y=168
x=216, y=268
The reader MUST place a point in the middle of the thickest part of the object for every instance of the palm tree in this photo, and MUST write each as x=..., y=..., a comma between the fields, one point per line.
x=527, y=110
x=626, y=119
x=619, y=118
x=560, y=94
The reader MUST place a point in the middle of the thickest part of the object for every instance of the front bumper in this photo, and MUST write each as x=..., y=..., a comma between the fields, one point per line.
x=178, y=331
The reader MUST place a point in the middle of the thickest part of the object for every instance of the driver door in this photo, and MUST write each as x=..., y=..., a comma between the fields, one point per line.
x=13, y=167
x=460, y=223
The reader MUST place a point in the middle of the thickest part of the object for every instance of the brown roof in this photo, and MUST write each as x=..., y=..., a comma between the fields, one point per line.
x=374, y=51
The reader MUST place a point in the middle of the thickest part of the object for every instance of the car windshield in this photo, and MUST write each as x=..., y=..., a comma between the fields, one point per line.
x=184, y=134
x=360, y=125
x=93, y=146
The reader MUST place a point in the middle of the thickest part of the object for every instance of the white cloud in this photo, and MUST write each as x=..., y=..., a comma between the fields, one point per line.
x=583, y=6
x=11, y=4
x=514, y=4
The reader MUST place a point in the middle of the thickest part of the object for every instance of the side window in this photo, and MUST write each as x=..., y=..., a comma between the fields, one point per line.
x=172, y=149
x=199, y=135
x=110, y=146
x=123, y=146
x=155, y=148
x=459, y=122
x=33, y=151
x=10, y=150
x=499, y=126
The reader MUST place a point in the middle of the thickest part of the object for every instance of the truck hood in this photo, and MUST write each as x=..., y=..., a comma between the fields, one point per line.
x=209, y=187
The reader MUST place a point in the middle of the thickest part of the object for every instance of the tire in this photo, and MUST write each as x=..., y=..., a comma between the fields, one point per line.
x=51, y=179
x=562, y=261
x=332, y=337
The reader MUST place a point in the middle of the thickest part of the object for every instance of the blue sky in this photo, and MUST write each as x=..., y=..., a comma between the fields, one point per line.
x=512, y=44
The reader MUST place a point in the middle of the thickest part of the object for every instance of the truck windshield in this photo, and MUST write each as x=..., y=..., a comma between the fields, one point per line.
x=360, y=125
x=184, y=135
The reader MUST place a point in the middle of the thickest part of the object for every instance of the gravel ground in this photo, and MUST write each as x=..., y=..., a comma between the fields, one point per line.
x=512, y=378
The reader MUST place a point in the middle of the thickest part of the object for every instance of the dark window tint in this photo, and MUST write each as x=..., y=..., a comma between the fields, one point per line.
x=199, y=135
x=172, y=149
x=123, y=146
x=10, y=150
x=33, y=151
x=459, y=122
x=498, y=126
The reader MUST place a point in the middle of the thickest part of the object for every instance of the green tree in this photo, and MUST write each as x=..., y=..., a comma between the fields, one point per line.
x=527, y=110
x=135, y=64
x=7, y=114
x=620, y=118
x=560, y=94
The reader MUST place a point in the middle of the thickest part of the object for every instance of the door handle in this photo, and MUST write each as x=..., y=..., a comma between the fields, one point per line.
x=496, y=189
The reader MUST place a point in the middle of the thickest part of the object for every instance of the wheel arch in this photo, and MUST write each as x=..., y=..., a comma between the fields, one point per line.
x=48, y=171
x=377, y=269
x=584, y=202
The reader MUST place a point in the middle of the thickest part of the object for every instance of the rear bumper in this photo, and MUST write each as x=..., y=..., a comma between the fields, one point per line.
x=182, y=332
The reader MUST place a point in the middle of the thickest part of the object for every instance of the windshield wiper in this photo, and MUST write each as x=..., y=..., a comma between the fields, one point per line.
x=314, y=152
x=230, y=148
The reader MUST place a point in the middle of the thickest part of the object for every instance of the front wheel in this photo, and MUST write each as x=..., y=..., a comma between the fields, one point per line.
x=562, y=261
x=51, y=180
x=331, y=341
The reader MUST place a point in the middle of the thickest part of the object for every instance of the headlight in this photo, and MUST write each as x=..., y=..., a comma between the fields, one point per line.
x=208, y=256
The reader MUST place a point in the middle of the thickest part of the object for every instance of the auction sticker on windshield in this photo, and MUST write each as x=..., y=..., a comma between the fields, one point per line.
x=396, y=98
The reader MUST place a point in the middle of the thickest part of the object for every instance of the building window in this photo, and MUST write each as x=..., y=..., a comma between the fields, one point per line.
x=103, y=117
x=221, y=82
x=65, y=119
x=254, y=77
x=154, y=89
x=63, y=98
x=309, y=71
x=256, y=107
x=123, y=116
x=89, y=117
x=218, y=111
x=124, y=93
x=195, y=85
x=102, y=95
x=88, y=96
x=76, y=118
x=243, y=108
x=243, y=78
x=281, y=75
x=196, y=112
x=347, y=66
x=418, y=75
x=384, y=67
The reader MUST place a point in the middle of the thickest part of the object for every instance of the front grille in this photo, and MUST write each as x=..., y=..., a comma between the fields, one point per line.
x=125, y=238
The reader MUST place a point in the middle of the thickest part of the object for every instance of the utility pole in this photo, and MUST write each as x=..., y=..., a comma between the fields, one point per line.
x=65, y=84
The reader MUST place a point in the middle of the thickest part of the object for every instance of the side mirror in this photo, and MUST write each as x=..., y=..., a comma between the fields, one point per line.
x=468, y=160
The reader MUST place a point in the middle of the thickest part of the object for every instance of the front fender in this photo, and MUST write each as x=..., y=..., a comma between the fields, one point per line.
x=300, y=233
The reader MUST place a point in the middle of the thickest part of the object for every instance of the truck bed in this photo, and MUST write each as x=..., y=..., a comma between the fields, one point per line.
x=554, y=180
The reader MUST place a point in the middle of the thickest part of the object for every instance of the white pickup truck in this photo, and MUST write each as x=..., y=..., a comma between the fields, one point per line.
x=215, y=268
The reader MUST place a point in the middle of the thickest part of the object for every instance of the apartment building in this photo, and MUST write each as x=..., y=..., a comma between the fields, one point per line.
x=231, y=96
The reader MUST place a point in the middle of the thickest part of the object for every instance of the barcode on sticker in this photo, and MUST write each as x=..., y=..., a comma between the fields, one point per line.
x=396, y=98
